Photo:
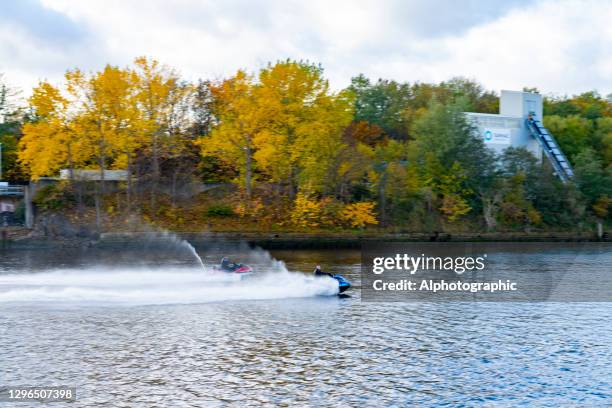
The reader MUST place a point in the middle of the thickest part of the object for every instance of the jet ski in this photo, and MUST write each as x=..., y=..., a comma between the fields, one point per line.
x=238, y=268
x=235, y=268
x=343, y=284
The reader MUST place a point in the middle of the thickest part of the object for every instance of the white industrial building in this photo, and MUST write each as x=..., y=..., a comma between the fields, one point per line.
x=518, y=124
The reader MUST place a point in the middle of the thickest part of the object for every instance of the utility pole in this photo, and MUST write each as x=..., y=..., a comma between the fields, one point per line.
x=0, y=161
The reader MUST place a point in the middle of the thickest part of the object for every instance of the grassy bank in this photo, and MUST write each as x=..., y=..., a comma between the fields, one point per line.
x=216, y=215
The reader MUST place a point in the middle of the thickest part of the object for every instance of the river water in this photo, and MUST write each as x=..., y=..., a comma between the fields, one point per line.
x=149, y=327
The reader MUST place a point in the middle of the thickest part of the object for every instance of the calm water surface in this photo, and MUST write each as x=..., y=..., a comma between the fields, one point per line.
x=131, y=327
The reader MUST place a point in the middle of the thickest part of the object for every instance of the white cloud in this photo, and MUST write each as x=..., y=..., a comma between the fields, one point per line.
x=558, y=46
x=555, y=47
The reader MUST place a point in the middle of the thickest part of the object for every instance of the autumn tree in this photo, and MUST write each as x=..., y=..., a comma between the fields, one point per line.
x=603, y=139
x=589, y=105
x=164, y=102
x=358, y=215
x=516, y=208
x=105, y=120
x=387, y=176
x=300, y=144
x=240, y=119
x=322, y=155
x=50, y=141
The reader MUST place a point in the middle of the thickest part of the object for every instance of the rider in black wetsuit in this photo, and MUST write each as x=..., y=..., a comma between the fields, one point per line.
x=318, y=272
x=226, y=265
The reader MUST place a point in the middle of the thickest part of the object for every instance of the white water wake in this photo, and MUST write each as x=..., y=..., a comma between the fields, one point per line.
x=145, y=286
x=178, y=241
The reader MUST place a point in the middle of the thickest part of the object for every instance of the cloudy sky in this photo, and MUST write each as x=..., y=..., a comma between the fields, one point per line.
x=558, y=46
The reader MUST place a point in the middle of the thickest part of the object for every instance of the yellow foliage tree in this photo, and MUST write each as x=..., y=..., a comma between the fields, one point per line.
x=241, y=118
x=601, y=206
x=307, y=213
x=358, y=215
x=109, y=117
x=303, y=137
x=286, y=124
x=450, y=186
x=454, y=206
x=100, y=120
x=52, y=141
x=163, y=101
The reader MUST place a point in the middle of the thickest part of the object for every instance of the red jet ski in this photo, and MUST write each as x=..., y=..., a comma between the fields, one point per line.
x=232, y=267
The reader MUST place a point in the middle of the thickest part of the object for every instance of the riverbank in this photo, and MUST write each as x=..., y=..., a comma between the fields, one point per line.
x=290, y=240
x=24, y=238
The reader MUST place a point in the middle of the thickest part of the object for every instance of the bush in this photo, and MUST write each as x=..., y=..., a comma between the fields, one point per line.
x=54, y=197
x=219, y=210
x=358, y=215
x=307, y=213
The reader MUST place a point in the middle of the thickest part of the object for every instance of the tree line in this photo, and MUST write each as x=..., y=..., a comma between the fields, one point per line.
x=303, y=155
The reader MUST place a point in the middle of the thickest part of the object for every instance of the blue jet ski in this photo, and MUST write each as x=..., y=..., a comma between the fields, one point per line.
x=343, y=284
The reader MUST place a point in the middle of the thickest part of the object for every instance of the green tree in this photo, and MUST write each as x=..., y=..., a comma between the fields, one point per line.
x=516, y=209
x=558, y=204
x=444, y=132
x=592, y=178
x=603, y=139
x=573, y=133
x=475, y=97
x=11, y=119
x=202, y=108
x=443, y=139
x=382, y=104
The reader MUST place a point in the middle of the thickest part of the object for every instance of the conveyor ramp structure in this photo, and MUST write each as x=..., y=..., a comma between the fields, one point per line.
x=551, y=149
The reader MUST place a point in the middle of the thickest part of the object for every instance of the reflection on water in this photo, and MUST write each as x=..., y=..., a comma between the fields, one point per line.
x=305, y=350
